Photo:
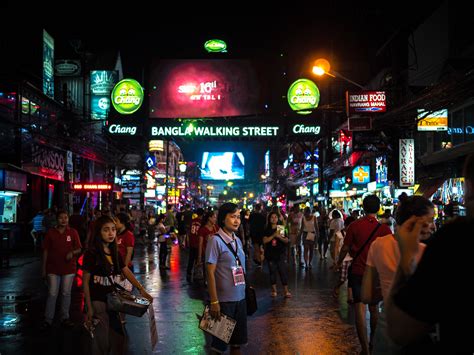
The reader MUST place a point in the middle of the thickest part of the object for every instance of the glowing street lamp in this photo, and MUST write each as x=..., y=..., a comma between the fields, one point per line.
x=321, y=66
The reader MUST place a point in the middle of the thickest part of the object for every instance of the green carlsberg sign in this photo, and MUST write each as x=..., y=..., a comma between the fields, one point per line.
x=127, y=96
x=303, y=96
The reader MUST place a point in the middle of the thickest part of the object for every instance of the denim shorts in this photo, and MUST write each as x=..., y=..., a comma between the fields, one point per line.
x=238, y=311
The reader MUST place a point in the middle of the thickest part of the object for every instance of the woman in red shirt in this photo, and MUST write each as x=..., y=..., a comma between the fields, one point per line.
x=61, y=247
x=125, y=238
x=208, y=228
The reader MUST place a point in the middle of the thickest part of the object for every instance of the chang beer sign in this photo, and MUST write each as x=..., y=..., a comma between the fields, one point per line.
x=215, y=46
x=303, y=96
x=127, y=96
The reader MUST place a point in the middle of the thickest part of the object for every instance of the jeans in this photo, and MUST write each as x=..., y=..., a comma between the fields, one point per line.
x=54, y=282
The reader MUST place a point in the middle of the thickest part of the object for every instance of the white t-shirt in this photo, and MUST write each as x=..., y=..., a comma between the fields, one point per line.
x=384, y=256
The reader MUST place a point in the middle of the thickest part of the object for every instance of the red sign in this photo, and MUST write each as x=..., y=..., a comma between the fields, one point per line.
x=365, y=102
x=92, y=187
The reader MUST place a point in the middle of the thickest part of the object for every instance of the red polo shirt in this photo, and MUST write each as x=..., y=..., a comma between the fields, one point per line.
x=357, y=233
x=58, y=245
x=124, y=241
x=193, y=233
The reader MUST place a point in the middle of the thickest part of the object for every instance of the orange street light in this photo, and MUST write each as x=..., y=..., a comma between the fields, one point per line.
x=321, y=66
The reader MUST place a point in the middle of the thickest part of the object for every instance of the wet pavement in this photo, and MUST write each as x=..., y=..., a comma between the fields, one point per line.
x=311, y=322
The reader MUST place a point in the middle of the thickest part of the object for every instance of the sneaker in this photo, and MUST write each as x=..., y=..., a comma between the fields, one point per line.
x=67, y=323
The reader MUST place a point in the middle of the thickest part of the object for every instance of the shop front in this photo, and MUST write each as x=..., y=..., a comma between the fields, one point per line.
x=13, y=183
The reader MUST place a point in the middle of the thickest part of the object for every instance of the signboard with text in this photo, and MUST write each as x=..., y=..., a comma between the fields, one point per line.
x=365, y=102
x=435, y=121
x=407, y=162
x=92, y=187
x=48, y=64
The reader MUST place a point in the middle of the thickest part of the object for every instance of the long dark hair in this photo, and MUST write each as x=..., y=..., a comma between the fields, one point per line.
x=99, y=247
x=412, y=206
x=207, y=216
x=125, y=220
x=269, y=224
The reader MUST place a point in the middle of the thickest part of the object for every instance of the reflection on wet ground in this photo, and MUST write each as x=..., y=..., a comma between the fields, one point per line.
x=311, y=322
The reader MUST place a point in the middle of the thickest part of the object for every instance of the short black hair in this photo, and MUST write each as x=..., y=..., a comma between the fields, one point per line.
x=336, y=214
x=224, y=210
x=371, y=204
x=412, y=206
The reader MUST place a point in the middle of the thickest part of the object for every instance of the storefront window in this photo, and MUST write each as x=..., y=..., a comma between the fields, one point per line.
x=8, y=202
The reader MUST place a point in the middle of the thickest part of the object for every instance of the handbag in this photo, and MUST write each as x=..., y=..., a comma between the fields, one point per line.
x=250, y=293
x=123, y=301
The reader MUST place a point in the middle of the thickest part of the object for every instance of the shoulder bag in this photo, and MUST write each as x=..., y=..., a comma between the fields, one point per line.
x=250, y=294
x=349, y=269
x=123, y=301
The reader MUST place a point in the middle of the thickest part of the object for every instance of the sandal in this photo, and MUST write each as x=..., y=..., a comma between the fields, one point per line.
x=288, y=294
x=274, y=294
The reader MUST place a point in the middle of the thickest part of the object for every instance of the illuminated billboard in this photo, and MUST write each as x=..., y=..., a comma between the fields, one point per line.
x=222, y=166
x=48, y=64
x=435, y=121
x=203, y=88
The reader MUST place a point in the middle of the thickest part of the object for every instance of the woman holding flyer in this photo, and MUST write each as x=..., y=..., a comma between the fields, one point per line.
x=225, y=260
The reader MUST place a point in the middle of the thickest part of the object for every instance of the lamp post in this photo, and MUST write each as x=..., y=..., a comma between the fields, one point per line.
x=322, y=67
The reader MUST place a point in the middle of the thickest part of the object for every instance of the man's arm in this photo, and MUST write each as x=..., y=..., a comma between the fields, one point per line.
x=402, y=327
x=368, y=284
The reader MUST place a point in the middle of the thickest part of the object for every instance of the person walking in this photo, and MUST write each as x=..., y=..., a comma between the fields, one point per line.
x=102, y=264
x=225, y=260
x=275, y=243
x=294, y=223
x=382, y=262
x=359, y=235
x=257, y=227
x=193, y=243
x=309, y=233
x=422, y=299
x=61, y=247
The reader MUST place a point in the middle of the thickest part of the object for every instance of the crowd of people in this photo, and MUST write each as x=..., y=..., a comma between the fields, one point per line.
x=392, y=265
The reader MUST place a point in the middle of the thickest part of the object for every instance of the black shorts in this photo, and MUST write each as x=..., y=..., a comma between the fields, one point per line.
x=238, y=311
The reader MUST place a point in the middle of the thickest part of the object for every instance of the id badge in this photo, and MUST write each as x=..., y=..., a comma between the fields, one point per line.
x=238, y=275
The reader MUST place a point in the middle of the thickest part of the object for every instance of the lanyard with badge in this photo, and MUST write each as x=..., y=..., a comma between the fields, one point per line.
x=237, y=271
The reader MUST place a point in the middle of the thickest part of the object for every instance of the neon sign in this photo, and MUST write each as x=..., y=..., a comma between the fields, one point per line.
x=215, y=131
x=304, y=129
x=92, y=187
x=303, y=96
x=361, y=174
x=127, y=96
x=215, y=46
